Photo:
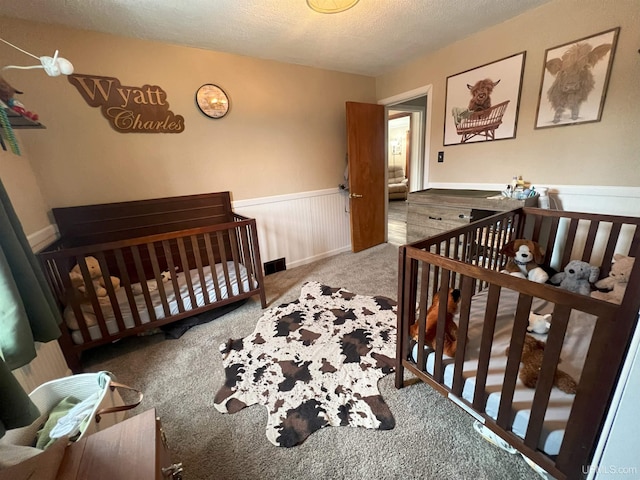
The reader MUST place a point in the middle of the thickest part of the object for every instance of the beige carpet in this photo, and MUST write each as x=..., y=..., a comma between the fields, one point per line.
x=433, y=437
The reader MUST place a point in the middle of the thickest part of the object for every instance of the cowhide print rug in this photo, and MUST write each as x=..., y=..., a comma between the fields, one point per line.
x=314, y=363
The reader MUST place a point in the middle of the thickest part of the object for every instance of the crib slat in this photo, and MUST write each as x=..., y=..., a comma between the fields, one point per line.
x=74, y=301
x=223, y=260
x=590, y=241
x=438, y=367
x=233, y=237
x=115, y=306
x=156, y=273
x=246, y=255
x=486, y=259
x=125, y=282
x=635, y=243
x=422, y=317
x=611, y=247
x=537, y=226
x=212, y=265
x=553, y=232
x=168, y=255
x=425, y=282
x=196, y=255
x=550, y=361
x=407, y=297
x=255, y=252
x=569, y=240
x=187, y=275
x=93, y=297
x=488, y=328
x=499, y=257
x=143, y=285
x=513, y=361
x=466, y=291
x=491, y=247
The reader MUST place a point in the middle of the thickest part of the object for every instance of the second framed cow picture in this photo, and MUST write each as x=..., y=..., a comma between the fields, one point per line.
x=574, y=80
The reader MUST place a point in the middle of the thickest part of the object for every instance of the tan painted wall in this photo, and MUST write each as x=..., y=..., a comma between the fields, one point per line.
x=603, y=153
x=285, y=132
x=22, y=187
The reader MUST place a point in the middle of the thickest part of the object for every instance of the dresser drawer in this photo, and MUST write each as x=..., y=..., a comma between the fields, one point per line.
x=439, y=213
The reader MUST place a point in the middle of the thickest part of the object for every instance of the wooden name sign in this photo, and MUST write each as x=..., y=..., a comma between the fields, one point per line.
x=129, y=109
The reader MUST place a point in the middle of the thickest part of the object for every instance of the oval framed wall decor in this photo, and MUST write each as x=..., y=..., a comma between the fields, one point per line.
x=212, y=101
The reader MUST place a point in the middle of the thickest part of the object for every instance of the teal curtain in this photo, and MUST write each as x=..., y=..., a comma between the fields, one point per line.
x=28, y=312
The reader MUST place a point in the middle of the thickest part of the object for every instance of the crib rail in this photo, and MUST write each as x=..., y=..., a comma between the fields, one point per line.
x=469, y=258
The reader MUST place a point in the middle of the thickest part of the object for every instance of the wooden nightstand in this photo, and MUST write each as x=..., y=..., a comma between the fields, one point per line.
x=134, y=449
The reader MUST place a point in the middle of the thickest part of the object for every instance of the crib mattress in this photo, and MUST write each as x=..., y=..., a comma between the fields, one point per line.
x=574, y=350
x=125, y=307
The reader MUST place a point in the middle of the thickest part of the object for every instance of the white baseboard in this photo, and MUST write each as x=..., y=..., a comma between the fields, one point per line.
x=319, y=256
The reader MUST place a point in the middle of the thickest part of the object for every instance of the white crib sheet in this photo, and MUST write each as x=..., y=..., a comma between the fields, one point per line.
x=125, y=307
x=574, y=350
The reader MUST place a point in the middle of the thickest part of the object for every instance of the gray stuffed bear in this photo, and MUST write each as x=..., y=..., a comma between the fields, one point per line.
x=577, y=277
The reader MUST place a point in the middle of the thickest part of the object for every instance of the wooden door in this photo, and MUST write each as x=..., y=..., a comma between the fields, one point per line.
x=366, y=156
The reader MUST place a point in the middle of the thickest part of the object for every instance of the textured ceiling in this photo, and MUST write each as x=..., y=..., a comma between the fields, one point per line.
x=372, y=38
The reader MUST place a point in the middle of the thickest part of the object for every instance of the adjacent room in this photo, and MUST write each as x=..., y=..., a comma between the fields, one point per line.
x=227, y=225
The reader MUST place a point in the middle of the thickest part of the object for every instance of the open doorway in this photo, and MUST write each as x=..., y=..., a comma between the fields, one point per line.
x=407, y=159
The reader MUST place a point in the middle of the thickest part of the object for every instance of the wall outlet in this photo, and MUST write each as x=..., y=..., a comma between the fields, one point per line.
x=440, y=157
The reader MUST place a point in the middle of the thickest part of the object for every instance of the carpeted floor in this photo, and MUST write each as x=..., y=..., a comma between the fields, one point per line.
x=433, y=437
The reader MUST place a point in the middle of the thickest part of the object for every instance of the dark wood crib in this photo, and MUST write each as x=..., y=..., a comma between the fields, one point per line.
x=212, y=252
x=558, y=431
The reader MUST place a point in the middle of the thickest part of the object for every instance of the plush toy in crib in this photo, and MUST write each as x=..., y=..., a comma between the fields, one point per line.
x=577, y=277
x=524, y=259
x=616, y=282
x=77, y=280
x=451, y=329
x=532, y=354
x=152, y=284
x=539, y=323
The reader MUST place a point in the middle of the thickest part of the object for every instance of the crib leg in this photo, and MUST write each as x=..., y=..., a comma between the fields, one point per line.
x=72, y=358
x=399, y=375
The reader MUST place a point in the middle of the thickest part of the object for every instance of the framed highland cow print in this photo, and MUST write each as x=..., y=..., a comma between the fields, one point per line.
x=574, y=80
x=482, y=103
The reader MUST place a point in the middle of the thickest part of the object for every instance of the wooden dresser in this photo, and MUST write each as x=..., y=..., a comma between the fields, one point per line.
x=437, y=210
x=135, y=449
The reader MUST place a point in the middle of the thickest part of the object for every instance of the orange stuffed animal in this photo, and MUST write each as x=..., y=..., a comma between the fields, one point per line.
x=451, y=329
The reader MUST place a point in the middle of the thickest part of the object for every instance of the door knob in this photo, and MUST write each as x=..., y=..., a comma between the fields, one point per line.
x=354, y=195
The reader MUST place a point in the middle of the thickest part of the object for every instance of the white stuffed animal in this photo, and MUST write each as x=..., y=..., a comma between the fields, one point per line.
x=152, y=284
x=539, y=323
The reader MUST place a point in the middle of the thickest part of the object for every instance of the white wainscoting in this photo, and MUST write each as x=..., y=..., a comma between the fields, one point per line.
x=49, y=364
x=301, y=227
